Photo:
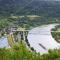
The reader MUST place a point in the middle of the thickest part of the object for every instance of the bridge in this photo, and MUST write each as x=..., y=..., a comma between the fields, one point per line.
x=45, y=33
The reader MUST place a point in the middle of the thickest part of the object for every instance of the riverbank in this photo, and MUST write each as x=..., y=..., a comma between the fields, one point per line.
x=56, y=33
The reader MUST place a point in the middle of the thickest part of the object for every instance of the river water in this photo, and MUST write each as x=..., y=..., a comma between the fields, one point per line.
x=4, y=42
x=41, y=40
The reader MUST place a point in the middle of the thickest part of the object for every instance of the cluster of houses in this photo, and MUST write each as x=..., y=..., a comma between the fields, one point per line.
x=18, y=33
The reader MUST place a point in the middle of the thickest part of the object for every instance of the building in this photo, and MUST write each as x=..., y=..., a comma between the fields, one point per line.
x=20, y=34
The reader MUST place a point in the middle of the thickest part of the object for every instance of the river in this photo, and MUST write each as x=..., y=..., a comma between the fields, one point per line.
x=4, y=42
x=41, y=40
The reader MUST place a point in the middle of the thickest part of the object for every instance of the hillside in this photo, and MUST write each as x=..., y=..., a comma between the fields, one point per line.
x=28, y=7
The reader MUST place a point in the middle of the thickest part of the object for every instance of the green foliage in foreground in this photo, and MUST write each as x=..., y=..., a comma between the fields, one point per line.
x=20, y=52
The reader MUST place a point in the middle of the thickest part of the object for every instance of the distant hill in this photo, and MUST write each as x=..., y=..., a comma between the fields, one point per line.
x=29, y=7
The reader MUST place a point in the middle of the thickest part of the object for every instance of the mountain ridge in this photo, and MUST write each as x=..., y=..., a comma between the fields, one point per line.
x=28, y=7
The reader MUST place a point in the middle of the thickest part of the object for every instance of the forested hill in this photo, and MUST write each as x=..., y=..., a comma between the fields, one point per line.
x=23, y=7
